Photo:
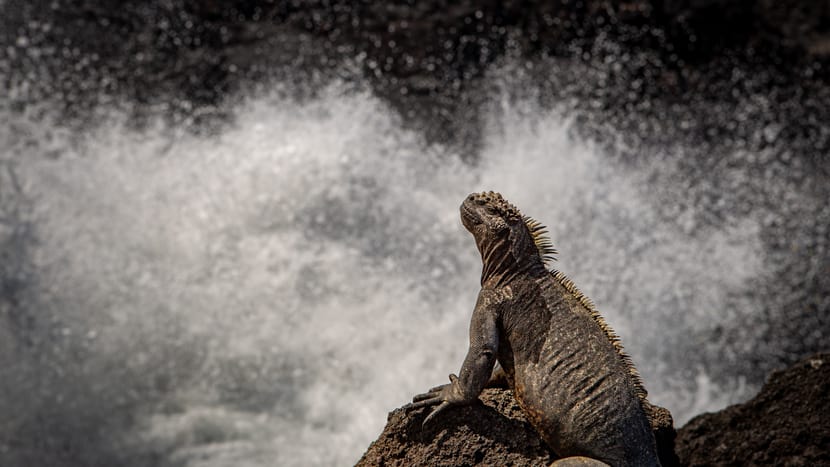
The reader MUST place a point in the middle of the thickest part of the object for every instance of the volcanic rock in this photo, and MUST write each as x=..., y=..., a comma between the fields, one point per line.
x=787, y=423
x=494, y=432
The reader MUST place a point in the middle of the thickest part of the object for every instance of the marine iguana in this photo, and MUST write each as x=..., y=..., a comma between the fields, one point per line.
x=566, y=366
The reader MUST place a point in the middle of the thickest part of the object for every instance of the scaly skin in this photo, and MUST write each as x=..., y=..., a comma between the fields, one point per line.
x=565, y=365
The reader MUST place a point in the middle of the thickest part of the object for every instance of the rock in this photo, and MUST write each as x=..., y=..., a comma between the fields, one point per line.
x=492, y=433
x=787, y=423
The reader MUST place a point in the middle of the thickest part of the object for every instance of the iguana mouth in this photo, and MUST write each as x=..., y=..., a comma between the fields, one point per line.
x=468, y=215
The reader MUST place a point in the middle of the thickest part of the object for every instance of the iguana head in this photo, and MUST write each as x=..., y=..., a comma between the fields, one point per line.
x=508, y=241
x=490, y=211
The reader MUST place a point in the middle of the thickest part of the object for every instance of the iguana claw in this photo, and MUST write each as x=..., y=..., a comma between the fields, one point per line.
x=441, y=395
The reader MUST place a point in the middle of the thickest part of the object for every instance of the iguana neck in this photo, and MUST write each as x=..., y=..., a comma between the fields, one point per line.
x=499, y=264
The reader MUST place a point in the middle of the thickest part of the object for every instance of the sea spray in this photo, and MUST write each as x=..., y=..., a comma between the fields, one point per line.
x=264, y=294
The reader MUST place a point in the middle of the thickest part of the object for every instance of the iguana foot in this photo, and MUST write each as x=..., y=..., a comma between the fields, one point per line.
x=445, y=396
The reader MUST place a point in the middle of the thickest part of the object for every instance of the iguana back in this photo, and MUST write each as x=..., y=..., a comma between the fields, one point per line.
x=568, y=377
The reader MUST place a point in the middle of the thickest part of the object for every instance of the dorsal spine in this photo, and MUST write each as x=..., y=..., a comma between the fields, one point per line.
x=547, y=252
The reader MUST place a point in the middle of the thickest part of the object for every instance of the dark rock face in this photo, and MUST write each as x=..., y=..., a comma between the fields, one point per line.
x=203, y=50
x=787, y=423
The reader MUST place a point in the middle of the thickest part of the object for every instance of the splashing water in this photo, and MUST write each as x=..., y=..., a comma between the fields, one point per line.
x=266, y=294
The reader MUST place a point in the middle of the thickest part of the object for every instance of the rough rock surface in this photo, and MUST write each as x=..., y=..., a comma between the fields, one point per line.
x=493, y=433
x=787, y=423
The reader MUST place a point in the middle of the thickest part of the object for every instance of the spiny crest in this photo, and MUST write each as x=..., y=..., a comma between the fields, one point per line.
x=542, y=240
x=612, y=336
x=496, y=200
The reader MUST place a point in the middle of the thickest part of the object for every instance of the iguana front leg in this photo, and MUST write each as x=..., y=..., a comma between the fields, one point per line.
x=477, y=366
